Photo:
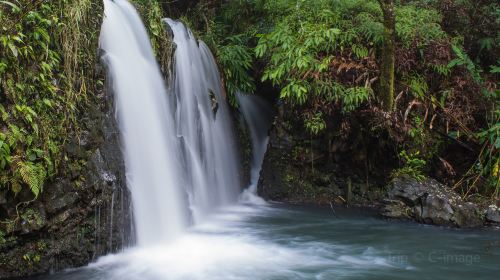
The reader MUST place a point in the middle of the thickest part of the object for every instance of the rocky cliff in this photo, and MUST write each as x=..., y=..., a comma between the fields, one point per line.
x=78, y=217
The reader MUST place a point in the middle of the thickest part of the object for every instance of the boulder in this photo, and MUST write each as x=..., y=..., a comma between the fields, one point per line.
x=429, y=202
x=396, y=209
x=493, y=214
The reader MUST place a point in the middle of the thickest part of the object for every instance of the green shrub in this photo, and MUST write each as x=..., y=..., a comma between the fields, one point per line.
x=413, y=166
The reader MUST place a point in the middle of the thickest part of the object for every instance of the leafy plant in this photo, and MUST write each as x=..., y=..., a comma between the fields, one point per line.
x=489, y=160
x=5, y=152
x=463, y=59
x=33, y=175
x=413, y=166
x=315, y=124
x=236, y=59
x=2, y=238
x=153, y=15
x=47, y=47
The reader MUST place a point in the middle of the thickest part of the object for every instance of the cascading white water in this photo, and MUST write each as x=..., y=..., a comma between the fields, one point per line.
x=203, y=124
x=147, y=125
x=258, y=115
x=178, y=144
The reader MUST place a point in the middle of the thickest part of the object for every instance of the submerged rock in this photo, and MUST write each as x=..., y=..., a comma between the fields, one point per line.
x=429, y=202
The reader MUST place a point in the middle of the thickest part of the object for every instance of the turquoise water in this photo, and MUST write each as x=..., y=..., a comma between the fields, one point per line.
x=286, y=242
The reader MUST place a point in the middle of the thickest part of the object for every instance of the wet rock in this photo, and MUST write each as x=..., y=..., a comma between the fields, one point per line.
x=74, y=149
x=214, y=102
x=493, y=214
x=33, y=219
x=59, y=196
x=3, y=200
x=396, y=209
x=468, y=216
x=61, y=218
x=300, y=168
x=85, y=139
x=80, y=215
x=429, y=202
x=435, y=209
x=410, y=191
x=99, y=170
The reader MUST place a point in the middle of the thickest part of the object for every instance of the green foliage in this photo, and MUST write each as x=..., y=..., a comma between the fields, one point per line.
x=31, y=216
x=236, y=60
x=418, y=86
x=354, y=97
x=5, y=156
x=324, y=58
x=153, y=16
x=303, y=45
x=417, y=26
x=2, y=238
x=31, y=258
x=33, y=175
x=43, y=85
x=307, y=37
x=23, y=84
x=413, y=166
x=477, y=23
x=316, y=124
x=463, y=59
x=47, y=80
x=489, y=137
x=489, y=160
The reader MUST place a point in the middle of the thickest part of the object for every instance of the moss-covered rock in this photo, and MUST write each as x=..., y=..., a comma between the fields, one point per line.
x=77, y=218
x=302, y=168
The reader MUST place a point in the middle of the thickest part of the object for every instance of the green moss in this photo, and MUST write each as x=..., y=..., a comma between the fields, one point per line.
x=47, y=84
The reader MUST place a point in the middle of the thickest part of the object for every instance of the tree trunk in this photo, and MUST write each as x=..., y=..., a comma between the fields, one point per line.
x=386, y=94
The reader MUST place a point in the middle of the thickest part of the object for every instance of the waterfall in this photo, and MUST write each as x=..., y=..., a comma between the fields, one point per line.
x=147, y=125
x=204, y=125
x=258, y=115
x=178, y=145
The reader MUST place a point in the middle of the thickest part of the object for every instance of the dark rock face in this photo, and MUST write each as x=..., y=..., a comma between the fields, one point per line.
x=349, y=169
x=276, y=173
x=429, y=202
x=78, y=217
x=332, y=168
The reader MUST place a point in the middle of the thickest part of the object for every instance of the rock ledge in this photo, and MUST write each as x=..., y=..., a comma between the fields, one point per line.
x=430, y=202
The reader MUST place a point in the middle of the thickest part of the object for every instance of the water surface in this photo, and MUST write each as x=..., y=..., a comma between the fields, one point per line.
x=284, y=242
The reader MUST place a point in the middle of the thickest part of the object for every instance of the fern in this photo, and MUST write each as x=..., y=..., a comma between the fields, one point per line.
x=464, y=60
x=33, y=175
x=418, y=86
x=414, y=24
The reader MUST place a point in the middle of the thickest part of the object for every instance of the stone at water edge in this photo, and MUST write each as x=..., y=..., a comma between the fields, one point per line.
x=396, y=209
x=493, y=214
x=429, y=202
